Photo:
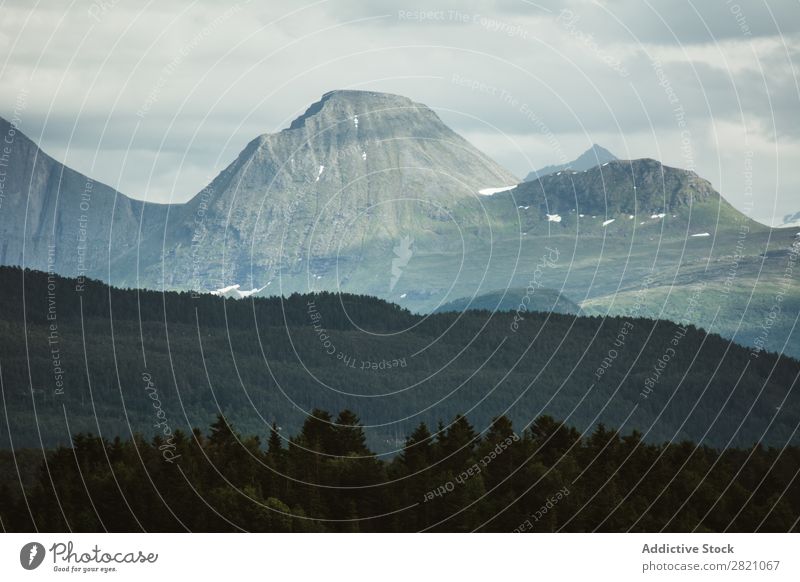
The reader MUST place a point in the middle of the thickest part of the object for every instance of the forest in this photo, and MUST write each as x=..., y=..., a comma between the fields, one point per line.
x=447, y=421
x=447, y=479
x=80, y=357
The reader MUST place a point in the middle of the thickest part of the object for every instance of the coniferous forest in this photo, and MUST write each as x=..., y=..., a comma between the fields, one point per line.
x=212, y=415
x=449, y=479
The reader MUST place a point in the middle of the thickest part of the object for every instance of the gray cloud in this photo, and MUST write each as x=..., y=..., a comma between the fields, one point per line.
x=206, y=79
x=689, y=21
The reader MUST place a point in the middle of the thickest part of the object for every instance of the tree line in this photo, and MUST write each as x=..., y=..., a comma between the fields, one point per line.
x=548, y=477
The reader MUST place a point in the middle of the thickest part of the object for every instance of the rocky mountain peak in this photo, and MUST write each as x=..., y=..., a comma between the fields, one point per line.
x=383, y=144
x=344, y=104
x=592, y=157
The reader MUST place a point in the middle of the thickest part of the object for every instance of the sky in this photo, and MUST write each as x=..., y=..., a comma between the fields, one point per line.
x=155, y=98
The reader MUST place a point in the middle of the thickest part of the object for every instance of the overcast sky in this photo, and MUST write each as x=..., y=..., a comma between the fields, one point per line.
x=154, y=99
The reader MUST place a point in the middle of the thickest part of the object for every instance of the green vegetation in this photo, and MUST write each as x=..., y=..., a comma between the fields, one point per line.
x=273, y=360
x=548, y=478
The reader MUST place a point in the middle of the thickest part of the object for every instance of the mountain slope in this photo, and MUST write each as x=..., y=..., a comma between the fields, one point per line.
x=650, y=240
x=56, y=218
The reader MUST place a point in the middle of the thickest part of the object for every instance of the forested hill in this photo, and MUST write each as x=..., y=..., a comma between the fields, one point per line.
x=28, y=291
x=94, y=359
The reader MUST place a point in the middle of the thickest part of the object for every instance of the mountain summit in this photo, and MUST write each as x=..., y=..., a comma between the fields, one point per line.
x=592, y=157
x=353, y=174
x=365, y=146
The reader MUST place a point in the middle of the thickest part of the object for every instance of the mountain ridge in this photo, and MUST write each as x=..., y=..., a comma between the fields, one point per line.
x=592, y=157
x=623, y=187
x=372, y=193
x=57, y=218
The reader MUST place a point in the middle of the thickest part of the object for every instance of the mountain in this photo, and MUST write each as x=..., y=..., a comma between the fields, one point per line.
x=650, y=240
x=370, y=193
x=517, y=299
x=54, y=218
x=623, y=197
x=592, y=157
x=348, y=179
x=335, y=191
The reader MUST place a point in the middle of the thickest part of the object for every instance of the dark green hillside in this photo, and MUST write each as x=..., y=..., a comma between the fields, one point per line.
x=272, y=360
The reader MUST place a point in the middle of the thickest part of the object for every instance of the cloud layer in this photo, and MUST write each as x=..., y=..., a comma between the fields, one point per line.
x=155, y=99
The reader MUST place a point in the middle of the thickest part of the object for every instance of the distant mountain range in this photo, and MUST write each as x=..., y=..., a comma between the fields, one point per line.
x=372, y=193
x=594, y=156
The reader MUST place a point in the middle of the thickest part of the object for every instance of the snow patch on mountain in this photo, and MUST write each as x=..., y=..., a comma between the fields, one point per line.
x=490, y=191
x=235, y=292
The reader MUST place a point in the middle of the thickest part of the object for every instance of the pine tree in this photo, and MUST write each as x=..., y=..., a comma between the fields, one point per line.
x=318, y=432
x=418, y=449
x=275, y=443
x=458, y=443
x=349, y=435
x=221, y=435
